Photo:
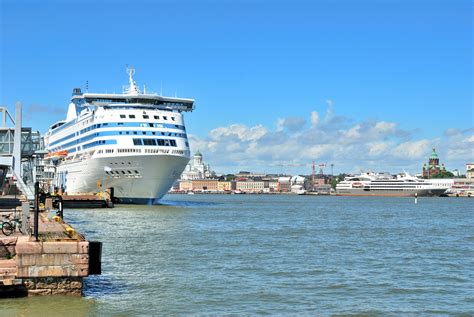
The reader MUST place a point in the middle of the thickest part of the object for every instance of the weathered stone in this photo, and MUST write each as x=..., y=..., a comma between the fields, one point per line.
x=27, y=247
x=76, y=285
x=64, y=283
x=29, y=284
x=66, y=247
x=46, y=285
x=80, y=258
x=83, y=247
x=26, y=259
x=23, y=271
x=39, y=292
x=53, y=259
x=75, y=292
x=60, y=291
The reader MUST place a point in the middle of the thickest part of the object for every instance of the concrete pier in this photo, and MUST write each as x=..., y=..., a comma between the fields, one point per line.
x=54, y=265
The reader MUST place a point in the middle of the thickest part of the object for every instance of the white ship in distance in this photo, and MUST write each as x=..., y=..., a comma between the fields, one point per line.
x=384, y=184
x=134, y=142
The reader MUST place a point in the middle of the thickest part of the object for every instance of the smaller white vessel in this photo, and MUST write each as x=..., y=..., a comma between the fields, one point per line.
x=384, y=184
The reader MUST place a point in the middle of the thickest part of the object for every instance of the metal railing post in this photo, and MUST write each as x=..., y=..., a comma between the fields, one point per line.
x=36, y=210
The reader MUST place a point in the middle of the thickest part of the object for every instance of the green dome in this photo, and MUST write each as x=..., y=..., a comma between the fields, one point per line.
x=434, y=155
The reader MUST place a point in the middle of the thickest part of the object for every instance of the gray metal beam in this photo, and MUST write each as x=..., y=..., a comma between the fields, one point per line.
x=17, y=141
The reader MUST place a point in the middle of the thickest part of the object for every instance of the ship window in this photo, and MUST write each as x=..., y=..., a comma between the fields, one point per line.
x=162, y=133
x=123, y=172
x=137, y=141
x=145, y=116
x=150, y=125
x=129, y=172
x=122, y=116
x=131, y=116
x=167, y=142
x=165, y=118
x=144, y=133
x=156, y=117
x=153, y=133
x=120, y=123
x=127, y=132
x=173, y=142
x=172, y=118
x=136, y=172
x=161, y=142
x=149, y=142
x=134, y=132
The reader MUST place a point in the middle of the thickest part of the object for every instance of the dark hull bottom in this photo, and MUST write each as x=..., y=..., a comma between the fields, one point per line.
x=135, y=201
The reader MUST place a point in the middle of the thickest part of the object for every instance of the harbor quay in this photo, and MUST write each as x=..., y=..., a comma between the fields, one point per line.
x=53, y=261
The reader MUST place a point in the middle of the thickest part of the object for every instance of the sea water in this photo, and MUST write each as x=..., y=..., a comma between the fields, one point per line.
x=274, y=254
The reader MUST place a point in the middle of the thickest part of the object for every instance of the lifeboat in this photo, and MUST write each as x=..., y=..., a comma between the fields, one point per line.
x=56, y=155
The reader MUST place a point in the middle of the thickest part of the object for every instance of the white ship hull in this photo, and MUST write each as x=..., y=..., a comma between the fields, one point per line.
x=391, y=193
x=140, y=180
x=135, y=143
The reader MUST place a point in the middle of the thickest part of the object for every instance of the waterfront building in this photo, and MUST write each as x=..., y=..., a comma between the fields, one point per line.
x=226, y=186
x=272, y=186
x=433, y=167
x=251, y=186
x=284, y=184
x=185, y=185
x=205, y=184
x=470, y=170
x=196, y=169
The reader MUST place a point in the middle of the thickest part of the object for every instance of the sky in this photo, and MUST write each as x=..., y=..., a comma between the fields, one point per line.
x=278, y=84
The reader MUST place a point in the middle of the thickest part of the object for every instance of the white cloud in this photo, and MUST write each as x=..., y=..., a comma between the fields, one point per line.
x=291, y=146
x=378, y=148
x=412, y=150
x=385, y=127
x=314, y=119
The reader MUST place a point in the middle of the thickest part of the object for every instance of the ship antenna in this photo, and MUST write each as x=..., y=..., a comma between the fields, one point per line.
x=133, y=89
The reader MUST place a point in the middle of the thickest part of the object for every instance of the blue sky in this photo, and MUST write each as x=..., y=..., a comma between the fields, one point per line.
x=398, y=74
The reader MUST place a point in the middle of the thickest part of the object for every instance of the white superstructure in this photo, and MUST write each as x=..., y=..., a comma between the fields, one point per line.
x=134, y=142
x=384, y=184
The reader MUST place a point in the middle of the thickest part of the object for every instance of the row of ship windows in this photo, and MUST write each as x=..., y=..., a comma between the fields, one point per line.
x=123, y=172
x=145, y=116
x=181, y=135
x=149, y=151
x=154, y=142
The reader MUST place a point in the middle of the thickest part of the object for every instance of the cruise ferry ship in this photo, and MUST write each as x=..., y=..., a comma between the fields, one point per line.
x=384, y=184
x=134, y=142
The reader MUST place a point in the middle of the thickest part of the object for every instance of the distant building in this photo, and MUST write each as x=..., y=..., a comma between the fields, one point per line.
x=433, y=167
x=284, y=184
x=470, y=170
x=196, y=169
x=252, y=186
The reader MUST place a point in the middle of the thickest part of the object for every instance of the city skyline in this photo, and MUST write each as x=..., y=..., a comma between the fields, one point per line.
x=368, y=85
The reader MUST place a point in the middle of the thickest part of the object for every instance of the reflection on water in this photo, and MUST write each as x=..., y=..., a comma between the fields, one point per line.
x=256, y=254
